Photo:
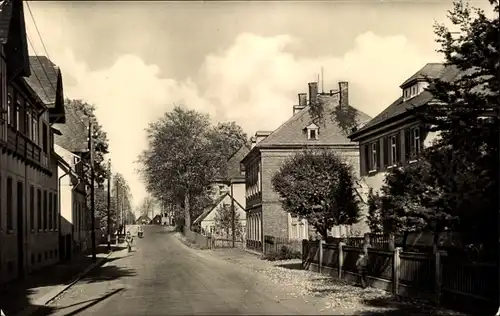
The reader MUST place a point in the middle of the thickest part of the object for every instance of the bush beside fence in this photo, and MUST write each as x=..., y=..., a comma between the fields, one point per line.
x=208, y=242
x=438, y=277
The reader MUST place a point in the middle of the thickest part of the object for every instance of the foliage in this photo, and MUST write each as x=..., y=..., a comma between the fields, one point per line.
x=374, y=215
x=122, y=198
x=344, y=116
x=319, y=187
x=99, y=137
x=185, y=155
x=224, y=221
x=147, y=207
x=285, y=253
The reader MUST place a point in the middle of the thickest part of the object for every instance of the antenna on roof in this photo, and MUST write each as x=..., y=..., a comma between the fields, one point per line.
x=322, y=81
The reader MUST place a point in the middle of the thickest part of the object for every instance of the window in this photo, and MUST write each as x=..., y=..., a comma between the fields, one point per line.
x=50, y=211
x=312, y=131
x=32, y=208
x=45, y=140
x=10, y=210
x=10, y=118
x=20, y=201
x=34, y=128
x=416, y=142
x=27, y=121
x=413, y=90
x=45, y=204
x=312, y=134
x=407, y=93
x=374, y=156
x=56, y=211
x=394, y=151
x=18, y=115
x=39, y=208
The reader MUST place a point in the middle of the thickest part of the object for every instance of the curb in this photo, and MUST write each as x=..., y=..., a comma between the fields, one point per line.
x=52, y=295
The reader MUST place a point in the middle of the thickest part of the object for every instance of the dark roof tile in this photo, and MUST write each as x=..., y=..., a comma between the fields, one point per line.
x=44, y=79
x=74, y=130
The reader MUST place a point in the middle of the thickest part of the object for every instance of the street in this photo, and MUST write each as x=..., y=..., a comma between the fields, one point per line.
x=162, y=276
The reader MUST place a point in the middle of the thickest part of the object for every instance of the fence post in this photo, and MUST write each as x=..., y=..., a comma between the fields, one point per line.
x=438, y=276
x=341, y=259
x=396, y=270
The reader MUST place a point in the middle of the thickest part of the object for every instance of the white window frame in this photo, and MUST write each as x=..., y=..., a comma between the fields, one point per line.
x=312, y=133
x=18, y=114
x=34, y=123
x=374, y=156
x=394, y=150
x=10, y=119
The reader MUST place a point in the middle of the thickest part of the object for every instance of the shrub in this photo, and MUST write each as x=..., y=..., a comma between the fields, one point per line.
x=285, y=253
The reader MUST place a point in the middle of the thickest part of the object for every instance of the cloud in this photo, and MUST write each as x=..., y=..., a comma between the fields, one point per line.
x=254, y=82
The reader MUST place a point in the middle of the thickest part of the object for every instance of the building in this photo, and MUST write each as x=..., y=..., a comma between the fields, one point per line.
x=270, y=150
x=395, y=137
x=143, y=220
x=71, y=147
x=30, y=102
x=207, y=220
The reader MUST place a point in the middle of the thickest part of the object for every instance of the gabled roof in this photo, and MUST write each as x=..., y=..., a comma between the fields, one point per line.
x=211, y=208
x=430, y=70
x=13, y=36
x=74, y=130
x=5, y=18
x=292, y=131
x=44, y=79
x=233, y=163
x=400, y=107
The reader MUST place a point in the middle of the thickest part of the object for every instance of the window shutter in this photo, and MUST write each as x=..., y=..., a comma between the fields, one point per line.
x=379, y=156
x=366, y=160
x=386, y=152
x=398, y=148
x=407, y=144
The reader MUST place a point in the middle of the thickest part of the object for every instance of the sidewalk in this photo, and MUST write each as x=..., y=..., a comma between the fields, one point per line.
x=38, y=288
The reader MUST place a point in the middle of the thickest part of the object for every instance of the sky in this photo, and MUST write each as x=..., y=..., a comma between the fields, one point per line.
x=237, y=61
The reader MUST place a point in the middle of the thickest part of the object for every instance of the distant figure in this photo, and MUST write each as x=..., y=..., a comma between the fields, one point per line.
x=129, y=240
x=362, y=266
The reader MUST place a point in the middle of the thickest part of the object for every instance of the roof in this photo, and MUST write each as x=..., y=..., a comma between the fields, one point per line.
x=292, y=131
x=74, y=130
x=233, y=163
x=5, y=18
x=430, y=70
x=44, y=79
x=400, y=107
x=210, y=208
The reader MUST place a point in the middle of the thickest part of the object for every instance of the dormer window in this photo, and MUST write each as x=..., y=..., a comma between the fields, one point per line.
x=312, y=131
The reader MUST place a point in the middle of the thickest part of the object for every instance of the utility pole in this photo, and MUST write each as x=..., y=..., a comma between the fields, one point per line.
x=92, y=193
x=109, y=204
x=233, y=224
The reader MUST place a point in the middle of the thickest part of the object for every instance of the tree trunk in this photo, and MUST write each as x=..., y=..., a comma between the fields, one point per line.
x=435, y=242
x=405, y=239
x=187, y=213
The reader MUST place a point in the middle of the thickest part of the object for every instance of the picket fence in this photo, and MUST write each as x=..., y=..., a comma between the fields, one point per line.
x=275, y=244
x=438, y=277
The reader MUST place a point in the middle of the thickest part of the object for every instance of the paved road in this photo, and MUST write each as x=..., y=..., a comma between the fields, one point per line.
x=162, y=276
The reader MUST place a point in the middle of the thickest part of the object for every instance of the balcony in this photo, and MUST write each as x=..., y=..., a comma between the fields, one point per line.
x=24, y=147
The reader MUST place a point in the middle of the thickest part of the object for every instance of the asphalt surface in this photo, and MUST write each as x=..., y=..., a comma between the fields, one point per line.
x=162, y=276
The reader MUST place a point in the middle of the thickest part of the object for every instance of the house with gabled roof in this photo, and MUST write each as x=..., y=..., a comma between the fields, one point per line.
x=207, y=220
x=395, y=137
x=31, y=100
x=270, y=150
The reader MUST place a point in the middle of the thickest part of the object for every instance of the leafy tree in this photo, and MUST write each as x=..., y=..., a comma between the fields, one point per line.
x=319, y=187
x=122, y=198
x=185, y=155
x=374, y=217
x=148, y=206
x=99, y=137
x=224, y=221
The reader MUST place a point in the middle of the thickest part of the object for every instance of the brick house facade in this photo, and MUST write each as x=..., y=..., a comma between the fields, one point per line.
x=270, y=150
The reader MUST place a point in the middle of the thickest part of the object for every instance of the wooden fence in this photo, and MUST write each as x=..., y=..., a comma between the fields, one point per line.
x=208, y=242
x=275, y=244
x=438, y=277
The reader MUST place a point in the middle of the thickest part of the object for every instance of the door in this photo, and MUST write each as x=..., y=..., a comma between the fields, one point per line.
x=20, y=229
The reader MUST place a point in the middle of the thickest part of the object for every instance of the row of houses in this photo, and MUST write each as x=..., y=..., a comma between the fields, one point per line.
x=376, y=145
x=43, y=142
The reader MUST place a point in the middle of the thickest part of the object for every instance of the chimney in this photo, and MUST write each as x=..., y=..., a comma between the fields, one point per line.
x=344, y=93
x=302, y=103
x=313, y=92
x=253, y=141
x=303, y=99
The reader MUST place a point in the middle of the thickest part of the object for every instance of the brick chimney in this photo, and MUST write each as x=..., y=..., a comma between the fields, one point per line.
x=302, y=103
x=344, y=93
x=313, y=92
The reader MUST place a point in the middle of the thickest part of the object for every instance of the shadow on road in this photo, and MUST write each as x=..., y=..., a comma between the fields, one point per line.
x=89, y=303
x=291, y=265
x=18, y=295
